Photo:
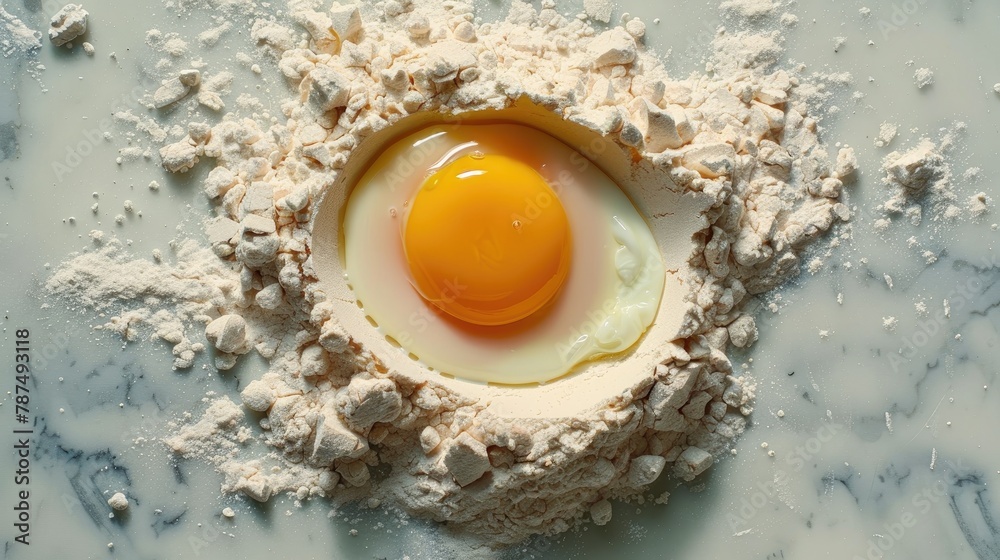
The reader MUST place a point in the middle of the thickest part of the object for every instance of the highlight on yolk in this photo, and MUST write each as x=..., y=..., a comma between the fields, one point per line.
x=487, y=240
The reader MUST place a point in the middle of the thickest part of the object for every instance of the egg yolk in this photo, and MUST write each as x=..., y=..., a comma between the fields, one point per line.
x=487, y=240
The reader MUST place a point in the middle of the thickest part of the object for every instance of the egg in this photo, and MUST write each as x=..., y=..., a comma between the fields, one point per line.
x=495, y=253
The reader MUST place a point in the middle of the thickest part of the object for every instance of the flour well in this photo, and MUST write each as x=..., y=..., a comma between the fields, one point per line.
x=740, y=144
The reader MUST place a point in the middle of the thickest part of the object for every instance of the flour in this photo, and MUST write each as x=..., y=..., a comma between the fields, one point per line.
x=923, y=77
x=743, y=140
x=979, y=204
x=750, y=9
x=886, y=134
x=67, y=24
x=118, y=502
x=920, y=182
x=16, y=36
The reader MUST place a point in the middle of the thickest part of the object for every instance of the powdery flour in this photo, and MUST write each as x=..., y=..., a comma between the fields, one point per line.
x=744, y=135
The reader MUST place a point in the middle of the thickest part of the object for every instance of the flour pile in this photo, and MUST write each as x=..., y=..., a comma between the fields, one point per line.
x=744, y=136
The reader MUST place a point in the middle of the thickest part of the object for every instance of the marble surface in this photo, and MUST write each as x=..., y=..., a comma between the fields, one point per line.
x=884, y=442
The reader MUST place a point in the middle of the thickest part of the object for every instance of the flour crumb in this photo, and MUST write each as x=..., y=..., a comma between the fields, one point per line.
x=889, y=323
x=749, y=9
x=886, y=133
x=67, y=24
x=118, y=502
x=923, y=77
x=978, y=204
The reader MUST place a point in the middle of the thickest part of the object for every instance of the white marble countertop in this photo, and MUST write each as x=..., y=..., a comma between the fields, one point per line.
x=884, y=441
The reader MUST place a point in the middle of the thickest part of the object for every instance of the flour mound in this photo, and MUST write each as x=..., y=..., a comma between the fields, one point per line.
x=742, y=138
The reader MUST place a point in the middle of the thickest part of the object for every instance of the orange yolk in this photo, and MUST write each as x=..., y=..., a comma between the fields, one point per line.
x=487, y=240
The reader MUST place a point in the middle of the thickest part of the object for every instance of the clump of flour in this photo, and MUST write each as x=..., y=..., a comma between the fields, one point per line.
x=16, y=36
x=743, y=137
x=67, y=24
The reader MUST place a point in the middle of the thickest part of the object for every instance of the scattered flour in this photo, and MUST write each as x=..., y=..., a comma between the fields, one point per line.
x=920, y=181
x=743, y=137
x=165, y=300
x=16, y=37
x=750, y=9
x=599, y=10
x=978, y=204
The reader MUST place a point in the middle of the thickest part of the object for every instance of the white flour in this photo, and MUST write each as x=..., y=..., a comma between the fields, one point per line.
x=921, y=181
x=742, y=136
x=923, y=77
x=67, y=24
x=16, y=37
